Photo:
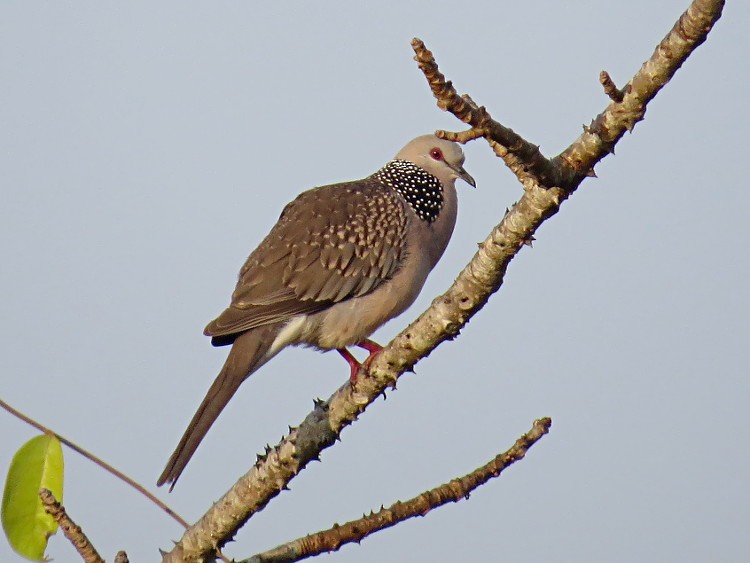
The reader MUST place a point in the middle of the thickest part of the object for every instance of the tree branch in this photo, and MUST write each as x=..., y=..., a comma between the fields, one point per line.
x=356, y=530
x=546, y=182
x=70, y=529
x=608, y=127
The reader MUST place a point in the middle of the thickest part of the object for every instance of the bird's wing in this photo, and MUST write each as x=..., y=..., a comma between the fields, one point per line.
x=330, y=244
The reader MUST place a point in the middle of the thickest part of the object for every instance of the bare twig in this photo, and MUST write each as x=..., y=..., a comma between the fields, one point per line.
x=71, y=530
x=547, y=182
x=612, y=91
x=462, y=137
x=522, y=157
x=101, y=463
x=356, y=530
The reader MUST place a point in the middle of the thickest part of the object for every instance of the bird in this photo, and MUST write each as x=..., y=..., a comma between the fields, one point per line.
x=342, y=260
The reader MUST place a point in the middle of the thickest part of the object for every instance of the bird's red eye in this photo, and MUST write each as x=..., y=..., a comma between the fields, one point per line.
x=436, y=153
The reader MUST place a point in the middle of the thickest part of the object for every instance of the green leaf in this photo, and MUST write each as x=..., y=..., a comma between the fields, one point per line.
x=37, y=464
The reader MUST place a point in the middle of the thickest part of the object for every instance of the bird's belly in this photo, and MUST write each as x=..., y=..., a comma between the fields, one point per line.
x=351, y=321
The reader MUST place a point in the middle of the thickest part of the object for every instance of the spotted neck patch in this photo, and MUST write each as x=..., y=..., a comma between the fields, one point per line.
x=421, y=190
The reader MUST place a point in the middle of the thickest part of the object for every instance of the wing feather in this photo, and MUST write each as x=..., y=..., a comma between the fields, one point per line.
x=330, y=244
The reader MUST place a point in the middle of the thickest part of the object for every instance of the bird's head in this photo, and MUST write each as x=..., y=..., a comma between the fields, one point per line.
x=443, y=159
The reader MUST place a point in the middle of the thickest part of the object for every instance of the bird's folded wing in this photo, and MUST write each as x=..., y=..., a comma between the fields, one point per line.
x=330, y=244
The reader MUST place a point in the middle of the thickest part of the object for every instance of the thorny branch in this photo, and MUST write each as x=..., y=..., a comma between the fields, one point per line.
x=453, y=491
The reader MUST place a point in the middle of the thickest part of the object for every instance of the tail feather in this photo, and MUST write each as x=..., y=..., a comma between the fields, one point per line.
x=249, y=352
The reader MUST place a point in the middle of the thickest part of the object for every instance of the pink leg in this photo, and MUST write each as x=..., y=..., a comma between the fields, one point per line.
x=372, y=347
x=354, y=365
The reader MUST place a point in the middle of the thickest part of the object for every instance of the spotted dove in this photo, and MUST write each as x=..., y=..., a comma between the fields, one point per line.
x=341, y=261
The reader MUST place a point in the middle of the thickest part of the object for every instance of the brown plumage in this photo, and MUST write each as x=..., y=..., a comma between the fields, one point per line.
x=341, y=261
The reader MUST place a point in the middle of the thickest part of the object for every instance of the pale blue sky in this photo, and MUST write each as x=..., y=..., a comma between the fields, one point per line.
x=146, y=148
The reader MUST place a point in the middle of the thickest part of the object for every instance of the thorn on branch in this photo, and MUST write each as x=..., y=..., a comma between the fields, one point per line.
x=470, y=101
x=612, y=91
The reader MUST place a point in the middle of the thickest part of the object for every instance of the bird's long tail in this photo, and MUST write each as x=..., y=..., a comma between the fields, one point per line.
x=249, y=352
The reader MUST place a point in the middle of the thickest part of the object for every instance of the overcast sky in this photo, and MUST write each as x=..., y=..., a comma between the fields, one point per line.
x=147, y=147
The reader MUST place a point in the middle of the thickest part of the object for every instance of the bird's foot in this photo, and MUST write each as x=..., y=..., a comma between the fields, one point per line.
x=372, y=347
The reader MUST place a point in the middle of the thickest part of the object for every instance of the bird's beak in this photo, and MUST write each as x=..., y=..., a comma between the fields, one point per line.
x=465, y=176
